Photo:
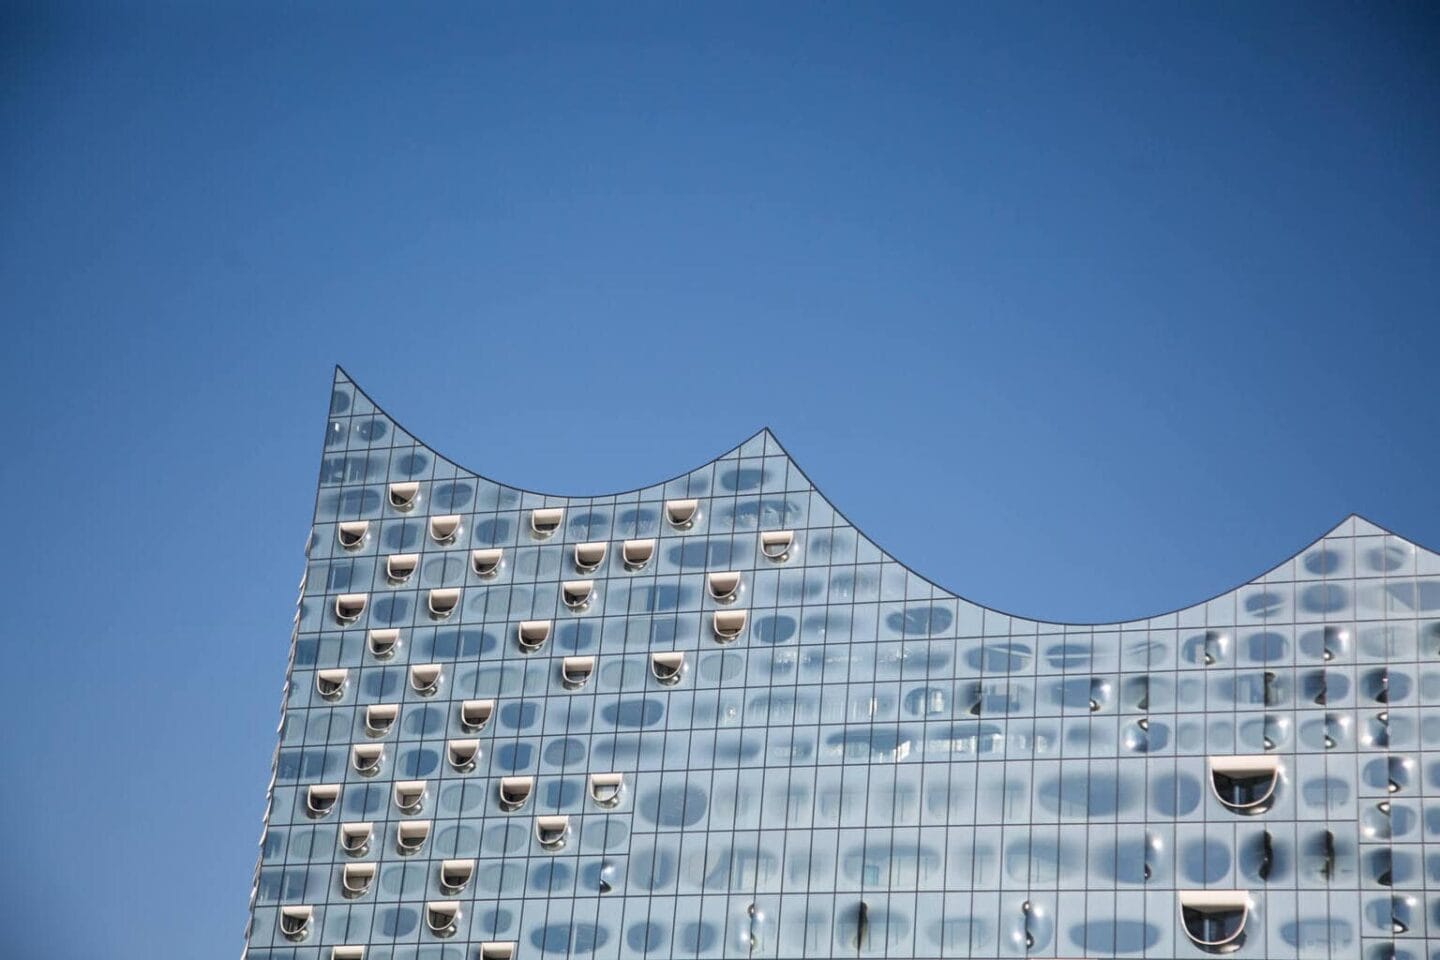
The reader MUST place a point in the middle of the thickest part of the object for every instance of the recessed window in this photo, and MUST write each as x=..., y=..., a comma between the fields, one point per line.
x=1404, y=911
x=320, y=799
x=1398, y=770
x=1378, y=685
x=576, y=671
x=1216, y=647
x=383, y=643
x=532, y=634
x=1336, y=643
x=462, y=753
x=1382, y=866
x=411, y=835
x=577, y=593
x=775, y=544
x=1245, y=784
x=442, y=917
x=606, y=788
x=404, y=495
x=366, y=757
x=589, y=556
x=347, y=953
x=496, y=950
x=514, y=791
x=399, y=566
x=349, y=606
x=380, y=717
x=409, y=796
x=351, y=535
x=1215, y=919
x=425, y=678
x=486, y=562
x=356, y=879
x=637, y=553
x=443, y=601
x=455, y=874
x=474, y=714
x=330, y=684
x=550, y=832
x=355, y=838
x=546, y=521
x=723, y=587
x=681, y=513
x=1101, y=691
x=729, y=624
x=444, y=529
x=667, y=667
x=295, y=921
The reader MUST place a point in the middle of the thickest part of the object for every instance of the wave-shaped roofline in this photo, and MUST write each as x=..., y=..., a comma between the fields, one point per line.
x=342, y=375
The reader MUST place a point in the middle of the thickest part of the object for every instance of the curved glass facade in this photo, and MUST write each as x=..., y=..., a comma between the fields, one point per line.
x=709, y=718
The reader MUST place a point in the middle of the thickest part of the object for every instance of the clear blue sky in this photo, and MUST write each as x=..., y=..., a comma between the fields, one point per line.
x=1140, y=297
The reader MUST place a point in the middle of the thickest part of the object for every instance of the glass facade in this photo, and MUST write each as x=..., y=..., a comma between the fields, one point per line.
x=709, y=718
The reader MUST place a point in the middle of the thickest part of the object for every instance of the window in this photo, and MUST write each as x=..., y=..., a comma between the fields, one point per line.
x=404, y=495
x=1216, y=646
x=533, y=634
x=667, y=667
x=462, y=754
x=366, y=757
x=349, y=606
x=321, y=797
x=411, y=835
x=347, y=953
x=443, y=601
x=605, y=788
x=486, y=563
x=514, y=791
x=351, y=535
x=425, y=678
x=445, y=529
x=355, y=838
x=1398, y=771
x=383, y=643
x=775, y=544
x=545, y=522
x=380, y=717
x=637, y=553
x=1377, y=685
x=577, y=593
x=474, y=714
x=295, y=922
x=728, y=624
x=330, y=684
x=356, y=878
x=496, y=950
x=1337, y=643
x=575, y=671
x=1101, y=691
x=724, y=587
x=589, y=556
x=409, y=796
x=399, y=566
x=681, y=513
x=550, y=832
x=1215, y=919
x=442, y=917
x=1245, y=784
x=455, y=874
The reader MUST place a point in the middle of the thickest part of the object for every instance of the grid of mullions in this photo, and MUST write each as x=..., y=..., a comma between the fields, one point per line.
x=874, y=767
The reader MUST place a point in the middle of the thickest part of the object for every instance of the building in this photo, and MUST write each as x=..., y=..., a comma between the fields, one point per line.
x=710, y=718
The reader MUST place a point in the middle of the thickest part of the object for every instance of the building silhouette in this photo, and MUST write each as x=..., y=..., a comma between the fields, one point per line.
x=710, y=718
